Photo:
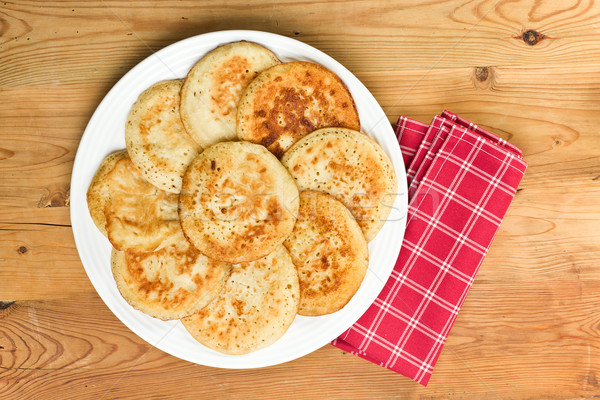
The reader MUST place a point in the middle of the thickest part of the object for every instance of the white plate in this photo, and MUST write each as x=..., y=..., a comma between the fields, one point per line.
x=105, y=133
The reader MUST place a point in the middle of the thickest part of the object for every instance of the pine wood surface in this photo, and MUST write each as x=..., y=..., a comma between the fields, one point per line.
x=530, y=327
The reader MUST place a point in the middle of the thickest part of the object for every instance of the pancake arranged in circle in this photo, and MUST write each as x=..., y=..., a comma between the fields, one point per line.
x=170, y=283
x=330, y=253
x=255, y=308
x=290, y=100
x=349, y=166
x=237, y=203
x=156, y=140
x=131, y=212
x=213, y=87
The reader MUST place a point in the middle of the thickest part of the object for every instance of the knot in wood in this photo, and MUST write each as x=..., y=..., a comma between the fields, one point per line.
x=6, y=304
x=532, y=37
x=482, y=73
x=57, y=196
x=483, y=77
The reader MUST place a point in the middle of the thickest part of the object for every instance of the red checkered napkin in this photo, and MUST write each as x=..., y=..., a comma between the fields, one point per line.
x=461, y=181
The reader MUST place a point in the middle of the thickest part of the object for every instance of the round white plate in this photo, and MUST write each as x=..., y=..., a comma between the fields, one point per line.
x=105, y=133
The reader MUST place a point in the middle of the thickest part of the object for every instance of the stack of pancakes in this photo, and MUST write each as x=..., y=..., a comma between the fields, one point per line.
x=246, y=195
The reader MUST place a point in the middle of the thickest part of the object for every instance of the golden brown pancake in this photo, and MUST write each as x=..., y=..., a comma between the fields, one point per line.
x=351, y=167
x=98, y=193
x=156, y=141
x=237, y=203
x=289, y=100
x=255, y=308
x=134, y=214
x=212, y=89
x=169, y=283
x=330, y=252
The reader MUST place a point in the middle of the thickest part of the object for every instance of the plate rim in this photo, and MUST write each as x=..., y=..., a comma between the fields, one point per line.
x=216, y=38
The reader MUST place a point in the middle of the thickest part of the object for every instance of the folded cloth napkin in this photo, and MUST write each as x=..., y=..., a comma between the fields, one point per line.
x=461, y=181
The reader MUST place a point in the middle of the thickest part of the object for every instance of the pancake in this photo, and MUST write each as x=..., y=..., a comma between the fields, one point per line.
x=212, y=89
x=98, y=193
x=290, y=100
x=330, y=253
x=131, y=212
x=237, y=203
x=349, y=166
x=156, y=141
x=255, y=308
x=169, y=283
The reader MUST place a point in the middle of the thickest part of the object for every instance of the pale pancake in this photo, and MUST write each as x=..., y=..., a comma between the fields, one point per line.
x=330, y=253
x=255, y=308
x=290, y=100
x=237, y=203
x=349, y=166
x=213, y=87
x=156, y=141
x=169, y=283
x=134, y=214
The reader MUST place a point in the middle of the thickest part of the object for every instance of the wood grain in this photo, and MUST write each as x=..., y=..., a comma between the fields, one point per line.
x=376, y=35
x=56, y=345
x=530, y=328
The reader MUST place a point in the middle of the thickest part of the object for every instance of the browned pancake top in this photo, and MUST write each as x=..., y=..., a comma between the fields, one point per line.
x=139, y=216
x=169, y=283
x=330, y=252
x=236, y=71
x=131, y=212
x=349, y=166
x=255, y=308
x=238, y=202
x=287, y=101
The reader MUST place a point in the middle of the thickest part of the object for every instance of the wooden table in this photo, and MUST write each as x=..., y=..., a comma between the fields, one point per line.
x=527, y=70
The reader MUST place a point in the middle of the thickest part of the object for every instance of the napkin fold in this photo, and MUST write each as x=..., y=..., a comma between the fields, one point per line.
x=461, y=180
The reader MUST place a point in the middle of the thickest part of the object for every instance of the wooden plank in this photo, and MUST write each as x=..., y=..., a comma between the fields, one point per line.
x=519, y=104
x=560, y=148
x=44, y=215
x=501, y=346
x=100, y=41
x=39, y=261
x=526, y=335
x=41, y=130
x=32, y=256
